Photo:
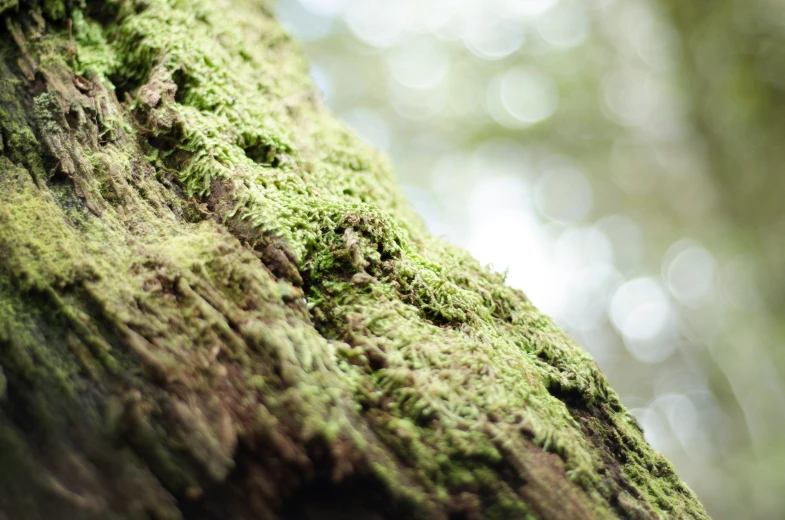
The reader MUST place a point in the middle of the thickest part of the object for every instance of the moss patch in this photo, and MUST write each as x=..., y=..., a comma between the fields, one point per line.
x=231, y=271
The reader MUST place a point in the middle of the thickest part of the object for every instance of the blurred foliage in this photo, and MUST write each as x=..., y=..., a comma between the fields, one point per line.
x=621, y=160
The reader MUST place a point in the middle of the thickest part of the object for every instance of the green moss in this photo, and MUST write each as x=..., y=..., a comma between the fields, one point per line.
x=94, y=55
x=45, y=108
x=7, y=5
x=19, y=142
x=241, y=266
x=54, y=9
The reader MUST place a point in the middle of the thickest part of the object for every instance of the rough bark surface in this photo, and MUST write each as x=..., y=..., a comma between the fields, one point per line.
x=215, y=303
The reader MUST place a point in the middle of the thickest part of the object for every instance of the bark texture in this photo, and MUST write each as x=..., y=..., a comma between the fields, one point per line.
x=215, y=303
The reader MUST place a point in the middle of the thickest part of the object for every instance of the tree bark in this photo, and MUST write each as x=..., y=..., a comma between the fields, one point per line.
x=215, y=303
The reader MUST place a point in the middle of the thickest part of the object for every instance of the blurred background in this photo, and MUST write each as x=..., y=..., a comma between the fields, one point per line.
x=624, y=162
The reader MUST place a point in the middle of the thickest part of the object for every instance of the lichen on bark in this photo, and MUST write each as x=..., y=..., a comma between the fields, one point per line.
x=216, y=303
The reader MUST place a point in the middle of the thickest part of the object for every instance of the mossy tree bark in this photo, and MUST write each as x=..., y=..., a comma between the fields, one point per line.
x=215, y=304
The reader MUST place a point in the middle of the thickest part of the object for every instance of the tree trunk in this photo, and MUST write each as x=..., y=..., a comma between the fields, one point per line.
x=732, y=66
x=215, y=303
